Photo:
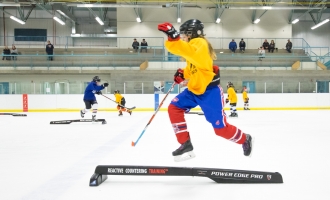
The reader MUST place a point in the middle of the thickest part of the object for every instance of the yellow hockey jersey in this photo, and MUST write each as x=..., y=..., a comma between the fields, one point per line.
x=199, y=64
x=118, y=98
x=245, y=96
x=232, y=97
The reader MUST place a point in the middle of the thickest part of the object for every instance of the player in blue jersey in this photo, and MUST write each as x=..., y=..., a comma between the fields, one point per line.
x=92, y=88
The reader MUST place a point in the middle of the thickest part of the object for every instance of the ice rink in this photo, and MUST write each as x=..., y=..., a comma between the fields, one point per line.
x=43, y=161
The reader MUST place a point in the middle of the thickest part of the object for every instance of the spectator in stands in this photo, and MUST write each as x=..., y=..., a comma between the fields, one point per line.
x=232, y=46
x=265, y=45
x=135, y=45
x=271, y=46
x=288, y=46
x=242, y=45
x=144, y=45
x=14, y=52
x=5, y=53
x=49, y=50
x=261, y=53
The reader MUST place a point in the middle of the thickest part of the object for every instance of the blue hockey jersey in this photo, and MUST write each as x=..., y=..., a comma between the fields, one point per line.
x=90, y=91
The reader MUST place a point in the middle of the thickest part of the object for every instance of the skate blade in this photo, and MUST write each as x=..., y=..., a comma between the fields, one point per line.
x=186, y=156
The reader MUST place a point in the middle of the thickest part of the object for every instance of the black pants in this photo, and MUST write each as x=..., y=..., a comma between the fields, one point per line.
x=14, y=56
x=89, y=104
x=50, y=56
x=271, y=50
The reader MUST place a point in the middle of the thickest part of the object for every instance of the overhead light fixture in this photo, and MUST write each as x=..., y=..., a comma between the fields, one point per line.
x=218, y=20
x=10, y=4
x=99, y=21
x=138, y=19
x=18, y=20
x=59, y=20
x=272, y=8
x=295, y=21
x=256, y=21
x=62, y=13
x=320, y=24
x=179, y=20
x=115, y=6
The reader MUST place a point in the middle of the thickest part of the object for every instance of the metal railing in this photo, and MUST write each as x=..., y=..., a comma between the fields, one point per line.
x=148, y=87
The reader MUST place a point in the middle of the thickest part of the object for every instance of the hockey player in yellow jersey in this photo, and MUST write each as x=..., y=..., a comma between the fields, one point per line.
x=245, y=99
x=121, y=103
x=232, y=99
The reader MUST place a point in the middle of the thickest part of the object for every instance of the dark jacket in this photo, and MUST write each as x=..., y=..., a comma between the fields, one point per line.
x=6, y=51
x=49, y=48
x=135, y=44
x=90, y=91
x=241, y=44
x=144, y=44
x=232, y=45
x=272, y=46
x=289, y=45
x=265, y=45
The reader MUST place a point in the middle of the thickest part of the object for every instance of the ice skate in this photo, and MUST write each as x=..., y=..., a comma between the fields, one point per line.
x=94, y=118
x=120, y=113
x=82, y=114
x=247, y=108
x=247, y=145
x=130, y=112
x=184, y=152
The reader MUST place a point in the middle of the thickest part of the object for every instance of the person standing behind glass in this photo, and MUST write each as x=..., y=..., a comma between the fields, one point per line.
x=271, y=46
x=288, y=46
x=14, y=52
x=261, y=53
x=49, y=50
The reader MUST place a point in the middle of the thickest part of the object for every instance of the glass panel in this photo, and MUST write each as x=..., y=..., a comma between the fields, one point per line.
x=307, y=87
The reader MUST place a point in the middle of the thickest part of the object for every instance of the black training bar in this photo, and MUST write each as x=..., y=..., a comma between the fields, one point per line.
x=14, y=114
x=217, y=175
x=77, y=120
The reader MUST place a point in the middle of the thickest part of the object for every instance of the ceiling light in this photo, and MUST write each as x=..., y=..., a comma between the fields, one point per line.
x=179, y=20
x=320, y=24
x=218, y=20
x=9, y=4
x=295, y=21
x=256, y=21
x=115, y=6
x=99, y=21
x=16, y=19
x=138, y=19
x=59, y=20
x=62, y=13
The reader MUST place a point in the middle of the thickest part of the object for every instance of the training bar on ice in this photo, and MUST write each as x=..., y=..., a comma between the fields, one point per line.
x=77, y=120
x=14, y=114
x=217, y=175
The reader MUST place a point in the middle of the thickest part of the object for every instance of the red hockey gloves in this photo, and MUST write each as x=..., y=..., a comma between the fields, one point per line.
x=227, y=100
x=178, y=76
x=105, y=84
x=169, y=30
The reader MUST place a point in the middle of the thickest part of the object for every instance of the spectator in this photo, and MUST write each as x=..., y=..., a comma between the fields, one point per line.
x=5, y=53
x=232, y=46
x=271, y=46
x=288, y=46
x=261, y=53
x=49, y=50
x=144, y=45
x=265, y=45
x=135, y=45
x=14, y=52
x=242, y=45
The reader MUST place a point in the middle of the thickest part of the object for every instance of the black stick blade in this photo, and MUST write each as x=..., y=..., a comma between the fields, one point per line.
x=61, y=122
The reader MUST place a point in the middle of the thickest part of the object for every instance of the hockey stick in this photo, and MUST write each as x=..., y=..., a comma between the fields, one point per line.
x=198, y=113
x=14, y=114
x=160, y=105
x=119, y=103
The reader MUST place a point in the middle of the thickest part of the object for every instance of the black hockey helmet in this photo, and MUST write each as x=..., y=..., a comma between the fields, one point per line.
x=116, y=91
x=230, y=84
x=192, y=28
x=96, y=79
